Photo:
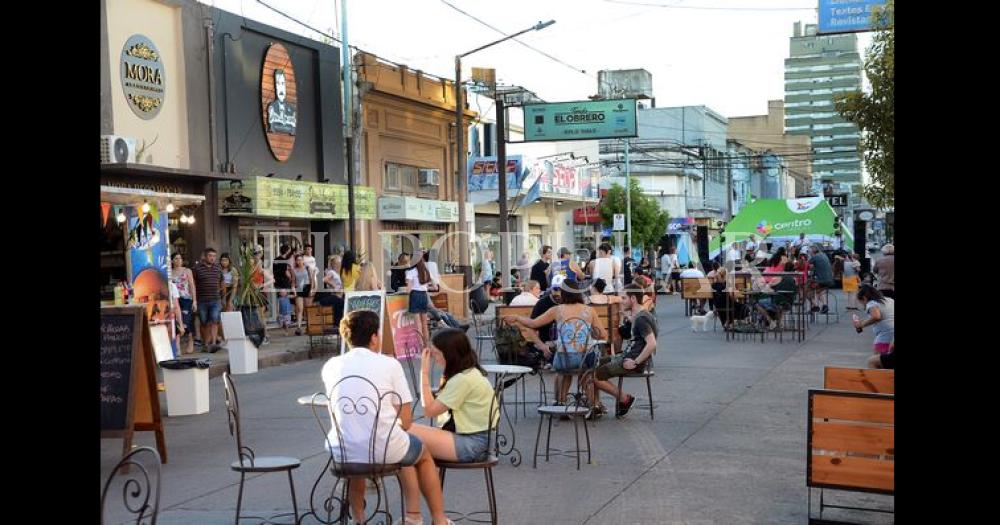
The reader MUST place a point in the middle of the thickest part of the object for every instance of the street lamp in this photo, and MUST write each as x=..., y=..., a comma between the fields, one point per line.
x=463, y=245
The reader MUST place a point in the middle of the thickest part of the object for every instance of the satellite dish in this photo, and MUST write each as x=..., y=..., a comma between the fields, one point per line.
x=121, y=150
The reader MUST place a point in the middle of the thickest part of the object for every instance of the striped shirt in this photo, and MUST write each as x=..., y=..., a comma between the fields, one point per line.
x=206, y=280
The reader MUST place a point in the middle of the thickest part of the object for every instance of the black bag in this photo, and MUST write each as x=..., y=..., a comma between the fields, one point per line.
x=513, y=349
x=252, y=325
x=478, y=300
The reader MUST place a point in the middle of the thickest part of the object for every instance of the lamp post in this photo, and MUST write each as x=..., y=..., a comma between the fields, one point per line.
x=460, y=162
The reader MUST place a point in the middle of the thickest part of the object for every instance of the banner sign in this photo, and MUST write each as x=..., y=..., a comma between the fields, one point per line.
x=406, y=338
x=582, y=120
x=846, y=16
x=678, y=226
x=405, y=208
x=483, y=173
x=271, y=197
x=837, y=200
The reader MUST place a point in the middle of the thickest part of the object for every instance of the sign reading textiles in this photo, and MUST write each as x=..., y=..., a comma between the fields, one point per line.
x=270, y=197
x=142, y=76
x=279, y=101
x=583, y=120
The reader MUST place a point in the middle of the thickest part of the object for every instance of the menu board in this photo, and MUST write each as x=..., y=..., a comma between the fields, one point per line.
x=118, y=344
x=374, y=301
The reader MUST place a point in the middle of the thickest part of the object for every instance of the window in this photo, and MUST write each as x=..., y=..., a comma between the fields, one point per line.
x=403, y=178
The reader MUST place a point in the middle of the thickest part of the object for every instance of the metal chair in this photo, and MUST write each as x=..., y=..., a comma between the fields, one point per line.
x=574, y=337
x=249, y=462
x=647, y=374
x=486, y=465
x=353, y=462
x=479, y=321
x=140, y=487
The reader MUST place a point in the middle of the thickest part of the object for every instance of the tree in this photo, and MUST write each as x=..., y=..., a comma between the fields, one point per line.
x=649, y=222
x=874, y=112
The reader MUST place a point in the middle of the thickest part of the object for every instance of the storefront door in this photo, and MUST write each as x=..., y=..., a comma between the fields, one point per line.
x=271, y=240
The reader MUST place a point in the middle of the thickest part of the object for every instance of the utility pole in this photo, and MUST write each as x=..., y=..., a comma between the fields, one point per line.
x=502, y=170
x=463, y=225
x=628, y=199
x=348, y=108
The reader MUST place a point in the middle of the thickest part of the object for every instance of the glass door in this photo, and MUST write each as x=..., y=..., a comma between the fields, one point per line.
x=271, y=240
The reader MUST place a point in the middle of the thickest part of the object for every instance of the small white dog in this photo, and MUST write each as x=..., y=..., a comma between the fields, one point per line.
x=702, y=321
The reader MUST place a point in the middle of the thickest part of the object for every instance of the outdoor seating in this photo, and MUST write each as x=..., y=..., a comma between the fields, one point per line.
x=850, y=445
x=486, y=465
x=580, y=406
x=877, y=381
x=321, y=325
x=694, y=289
x=137, y=478
x=359, y=412
x=249, y=462
x=484, y=331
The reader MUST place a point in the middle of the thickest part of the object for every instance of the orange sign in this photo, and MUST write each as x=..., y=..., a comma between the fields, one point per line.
x=279, y=101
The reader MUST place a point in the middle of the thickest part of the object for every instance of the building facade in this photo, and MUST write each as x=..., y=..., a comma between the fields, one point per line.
x=819, y=68
x=765, y=133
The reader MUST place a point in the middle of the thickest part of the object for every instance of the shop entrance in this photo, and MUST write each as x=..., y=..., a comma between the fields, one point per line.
x=271, y=238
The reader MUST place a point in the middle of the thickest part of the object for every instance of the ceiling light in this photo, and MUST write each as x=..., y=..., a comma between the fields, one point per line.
x=145, y=207
x=170, y=207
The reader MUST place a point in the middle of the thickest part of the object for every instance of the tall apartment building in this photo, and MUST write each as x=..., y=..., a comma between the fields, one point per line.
x=819, y=68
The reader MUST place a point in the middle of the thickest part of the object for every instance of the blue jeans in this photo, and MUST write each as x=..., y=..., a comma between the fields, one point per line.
x=210, y=311
x=441, y=315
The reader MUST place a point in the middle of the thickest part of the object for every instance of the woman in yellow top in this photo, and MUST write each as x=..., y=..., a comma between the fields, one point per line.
x=465, y=391
x=349, y=270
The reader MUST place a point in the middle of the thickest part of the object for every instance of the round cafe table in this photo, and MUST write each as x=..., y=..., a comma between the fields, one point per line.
x=331, y=507
x=506, y=445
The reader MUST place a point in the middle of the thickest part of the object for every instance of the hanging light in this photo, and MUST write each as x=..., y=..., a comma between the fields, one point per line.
x=121, y=216
x=191, y=219
x=170, y=207
x=145, y=207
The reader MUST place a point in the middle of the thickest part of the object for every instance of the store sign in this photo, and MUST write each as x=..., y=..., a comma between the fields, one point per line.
x=269, y=197
x=279, y=101
x=142, y=76
x=584, y=120
x=677, y=226
x=846, y=16
x=837, y=200
x=484, y=176
x=404, y=208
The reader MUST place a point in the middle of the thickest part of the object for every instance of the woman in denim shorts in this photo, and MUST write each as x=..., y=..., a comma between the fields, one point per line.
x=466, y=401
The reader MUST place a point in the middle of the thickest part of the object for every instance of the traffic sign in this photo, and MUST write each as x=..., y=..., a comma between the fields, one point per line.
x=837, y=200
x=619, y=222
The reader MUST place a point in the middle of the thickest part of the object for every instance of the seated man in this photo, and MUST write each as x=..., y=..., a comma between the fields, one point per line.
x=634, y=355
x=770, y=307
x=360, y=328
x=690, y=272
x=530, y=293
x=822, y=279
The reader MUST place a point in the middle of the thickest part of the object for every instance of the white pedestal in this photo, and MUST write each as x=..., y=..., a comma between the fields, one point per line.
x=187, y=391
x=242, y=352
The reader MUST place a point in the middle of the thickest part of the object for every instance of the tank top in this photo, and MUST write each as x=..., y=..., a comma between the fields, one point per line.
x=301, y=278
x=604, y=269
x=572, y=334
x=227, y=278
x=561, y=267
x=182, y=282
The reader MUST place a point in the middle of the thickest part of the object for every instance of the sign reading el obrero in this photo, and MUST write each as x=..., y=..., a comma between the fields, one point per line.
x=584, y=120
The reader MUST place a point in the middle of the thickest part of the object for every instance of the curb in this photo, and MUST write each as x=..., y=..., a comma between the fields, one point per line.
x=267, y=360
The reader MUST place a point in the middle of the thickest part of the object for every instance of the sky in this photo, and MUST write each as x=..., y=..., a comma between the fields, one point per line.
x=725, y=54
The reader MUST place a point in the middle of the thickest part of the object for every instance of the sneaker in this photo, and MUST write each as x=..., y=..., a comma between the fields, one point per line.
x=214, y=348
x=266, y=341
x=814, y=309
x=623, y=408
x=825, y=310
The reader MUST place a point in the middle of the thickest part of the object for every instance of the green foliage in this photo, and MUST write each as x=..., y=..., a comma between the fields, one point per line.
x=874, y=112
x=649, y=222
x=247, y=293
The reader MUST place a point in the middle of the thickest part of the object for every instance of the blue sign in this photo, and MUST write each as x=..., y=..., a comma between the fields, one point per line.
x=585, y=120
x=846, y=16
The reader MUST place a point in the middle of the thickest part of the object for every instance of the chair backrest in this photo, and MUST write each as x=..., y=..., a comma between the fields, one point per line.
x=360, y=412
x=138, y=475
x=478, y=301
x=696, y=288
x=493, y=442
x=319, y=320
x=245, y=453
x=574, y=333
x=851, y=441
x=860, y=380
x=440, y=301
x=504, y=311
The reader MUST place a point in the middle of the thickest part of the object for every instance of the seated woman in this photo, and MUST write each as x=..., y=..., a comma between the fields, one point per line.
x=597, y=295
x=465, y=393
x=770, y=307
x=574, y=321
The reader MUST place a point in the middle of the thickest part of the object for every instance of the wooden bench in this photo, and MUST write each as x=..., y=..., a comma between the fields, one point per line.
x=609, y=317
x=850, y=445
x=320, y=324
x=876, y=381
x=694, y=288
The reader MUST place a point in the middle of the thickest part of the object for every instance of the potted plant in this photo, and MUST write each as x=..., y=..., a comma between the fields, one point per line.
x=249, y=296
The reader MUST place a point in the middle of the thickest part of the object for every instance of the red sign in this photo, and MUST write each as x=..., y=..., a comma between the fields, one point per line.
x=587, y=215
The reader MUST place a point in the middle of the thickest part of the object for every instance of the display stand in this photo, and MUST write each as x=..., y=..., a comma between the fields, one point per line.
x=242, y=352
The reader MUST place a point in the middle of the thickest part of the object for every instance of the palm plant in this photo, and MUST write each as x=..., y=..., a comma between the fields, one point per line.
x=247, y=293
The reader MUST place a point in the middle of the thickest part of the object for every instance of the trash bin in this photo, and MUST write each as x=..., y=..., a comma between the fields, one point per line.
x=186, y=385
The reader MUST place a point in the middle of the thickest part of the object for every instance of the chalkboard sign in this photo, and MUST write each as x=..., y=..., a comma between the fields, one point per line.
x=129, y=400
x=374, y=301
x=118, y=341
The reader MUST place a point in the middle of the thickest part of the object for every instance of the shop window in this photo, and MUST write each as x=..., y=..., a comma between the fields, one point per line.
x=404, y=179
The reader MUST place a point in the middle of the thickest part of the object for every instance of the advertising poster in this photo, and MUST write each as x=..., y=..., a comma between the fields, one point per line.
x=406, y=338
x=147, y=255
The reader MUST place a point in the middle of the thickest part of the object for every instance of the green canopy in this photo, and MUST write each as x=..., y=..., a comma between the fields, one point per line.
x=780, y=220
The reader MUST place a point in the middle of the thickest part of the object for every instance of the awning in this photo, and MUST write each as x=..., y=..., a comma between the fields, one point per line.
x=135, y=197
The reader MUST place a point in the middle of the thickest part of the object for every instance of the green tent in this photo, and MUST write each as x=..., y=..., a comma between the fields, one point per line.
x=780, y=220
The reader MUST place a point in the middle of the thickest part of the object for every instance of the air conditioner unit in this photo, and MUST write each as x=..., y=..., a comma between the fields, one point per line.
x=428, y=177
x=117, y=149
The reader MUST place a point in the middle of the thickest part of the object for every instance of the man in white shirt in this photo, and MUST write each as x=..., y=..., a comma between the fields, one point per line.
x=751, y=244
x=691, y=271
x=733, y=255
x=350, y=436
x=530, y=292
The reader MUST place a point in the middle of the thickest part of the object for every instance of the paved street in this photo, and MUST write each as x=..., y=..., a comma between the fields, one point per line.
x=727, y=445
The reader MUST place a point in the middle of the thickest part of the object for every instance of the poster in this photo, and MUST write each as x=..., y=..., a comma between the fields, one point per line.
x=147, y=255
x=273, y=197
x=406, y=338
x=373, y=301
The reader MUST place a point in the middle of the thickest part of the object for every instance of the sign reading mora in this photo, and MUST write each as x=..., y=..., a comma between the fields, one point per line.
x=585, y=120
x=142, y=76
x=279, y=101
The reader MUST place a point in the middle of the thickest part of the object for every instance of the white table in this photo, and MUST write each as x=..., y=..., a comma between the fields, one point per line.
x=332, y=507
x=505, y=446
